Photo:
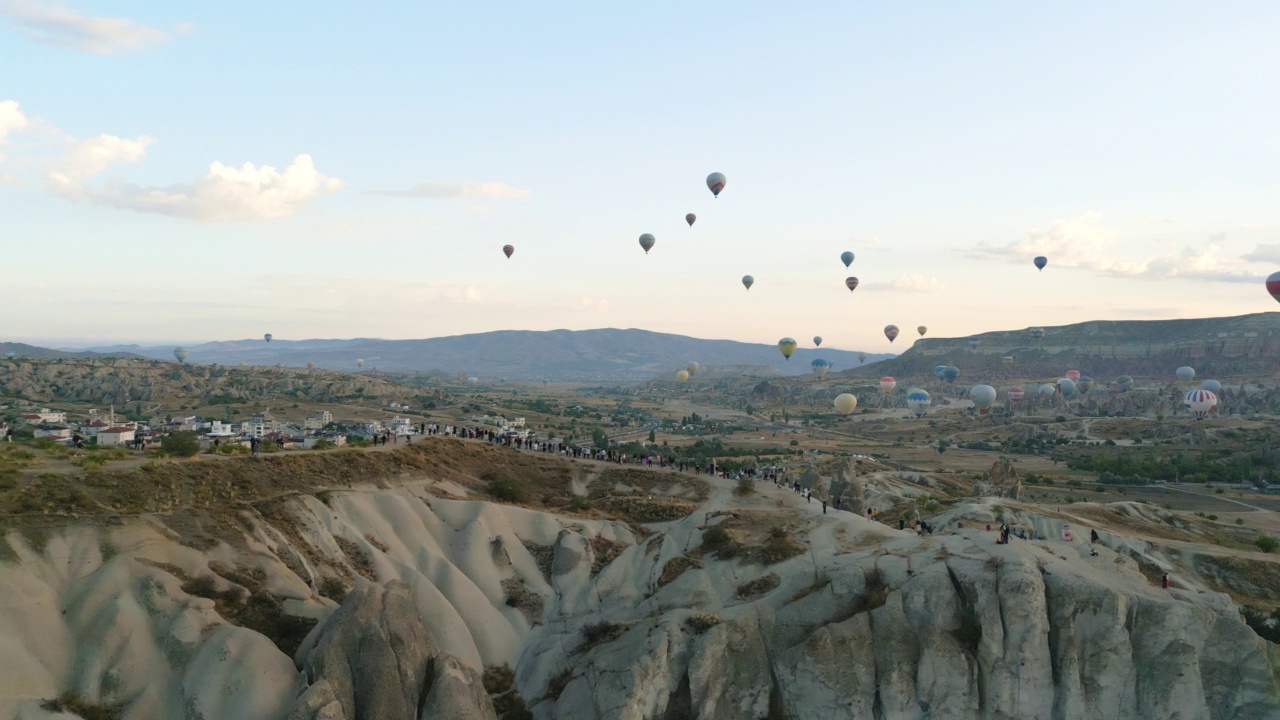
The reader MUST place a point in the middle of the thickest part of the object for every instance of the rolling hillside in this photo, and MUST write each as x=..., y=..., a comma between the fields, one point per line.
x=582, y=355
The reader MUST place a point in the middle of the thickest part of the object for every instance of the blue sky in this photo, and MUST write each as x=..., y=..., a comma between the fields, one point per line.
x=946, y=144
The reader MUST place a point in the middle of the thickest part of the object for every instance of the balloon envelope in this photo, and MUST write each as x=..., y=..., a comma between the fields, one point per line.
x=748, y=281
x=1048, y=389
x=983, y=396
x=1084, y=385
x=1036, y=333
x=1201, y=402
x=851, y=283
x=693, y=368
x=1125, y=382
x=360, y=363
x=1185, y=373
x=715, y=183
x=922, y=330
x=887, y=384
x=786, y=346
x=817, y=340
x=939, y=370
x=267, y=337
x=311, y=365
x=1074, y=375
x=974, y=341
x=918, y=401
x=891, y=332
x=682, y=376
x=180, y=354
x=951, y=373
x=1273, y=285
x=1067, y=387
x=845, y=403
x=508, y=250
x=690, y=218
x=862, y=357
x=1212, y=386
x=820, y=367
x=646, y=242
x=846, y=257
x=1016, y=393
x=1041, y=261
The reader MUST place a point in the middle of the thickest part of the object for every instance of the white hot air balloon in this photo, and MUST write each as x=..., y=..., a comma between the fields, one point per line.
x=715, y=183
x=682, y=376
x=1186, y=373
x=887, y=384
x=693, y=368
x=846, y=403
x=180, y=354
x=918, y=401
x=983, y=396
x=1201, y=402
x=360, y=363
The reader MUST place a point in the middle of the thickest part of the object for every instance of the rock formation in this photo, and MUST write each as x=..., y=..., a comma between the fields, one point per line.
x=1001, y=480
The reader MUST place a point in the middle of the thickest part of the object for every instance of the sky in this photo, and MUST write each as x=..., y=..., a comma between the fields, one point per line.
x=181, y=172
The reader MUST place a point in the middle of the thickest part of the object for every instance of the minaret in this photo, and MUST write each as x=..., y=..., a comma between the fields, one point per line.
x=111, y=422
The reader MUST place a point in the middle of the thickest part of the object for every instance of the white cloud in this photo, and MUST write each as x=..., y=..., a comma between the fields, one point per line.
x=90, y=157
x=1083, y=243
x=589, y=305
x=11, y=120
x=1263, y=253
x=916, y=282
x=455, y=190
x=226, y=193
x=53, y=23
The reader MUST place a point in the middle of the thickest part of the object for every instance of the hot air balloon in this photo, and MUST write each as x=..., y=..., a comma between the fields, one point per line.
x=817, y=341
x=974, y=341
x=180, y=354
x=311, y=365
x=1212, y=386
x=1036, y=333
x=820, y=367
x=748, y=281
x=939, y=370
x=508, y=250
x=1125, y=382
x=862, y=358
x=846, y=257
x=682, y=376
x=922, y=330
x=983, y=396
x=1067, y=387
x=1074, y=375
x=786, y=346
x=1084, y=385
x=1048, y=389
x=887, y=384
x=267, y=337
x=1007, y=360
x=1201, y=402
x=1041, y=261
x=690, y=218
x=715, y=183
x=918, y=401
x=891, y=332
x=1273, y=285
x=473, y=380
x=646, y=242
x=360, y=363
x=1015, y=393
x=693, y=368
x=1114, y=387
x=1185, y=373
x=845, y=403
x=851, y=283
x=951, y=373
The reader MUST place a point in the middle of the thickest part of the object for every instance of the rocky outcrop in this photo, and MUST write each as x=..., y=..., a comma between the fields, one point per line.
x=1001, y=480
x=374, y=659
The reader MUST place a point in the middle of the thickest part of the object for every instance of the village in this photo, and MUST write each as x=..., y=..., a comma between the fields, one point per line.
x=320, y=430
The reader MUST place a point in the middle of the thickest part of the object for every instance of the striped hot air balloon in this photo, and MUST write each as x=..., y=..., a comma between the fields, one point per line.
x=1016, y=393
x=1201, y=402
x=1273, y=285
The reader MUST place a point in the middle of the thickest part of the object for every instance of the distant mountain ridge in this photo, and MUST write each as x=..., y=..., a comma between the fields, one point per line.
x=23, y=350
x=1214, y=347
x=606, y=354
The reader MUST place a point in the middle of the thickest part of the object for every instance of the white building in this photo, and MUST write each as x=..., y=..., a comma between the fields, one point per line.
x=318, y=421
x=91, y=429
x=52, y=432
x=116, y=436
x=254, y=427
x=403, y=426
x=53, y=417
x=219, y=429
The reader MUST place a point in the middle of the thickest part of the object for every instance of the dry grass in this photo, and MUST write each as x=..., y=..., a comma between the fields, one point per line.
x=758, y=587
x=676, y=567
x=500, y=683
x=818, y=585
x=360, y=561
x=520, y=597
x=598, y=633
x=604, y=551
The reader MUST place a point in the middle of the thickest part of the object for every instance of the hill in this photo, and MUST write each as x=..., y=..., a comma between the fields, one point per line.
x=1146, y=349
x=23, y=350
x=607, y=354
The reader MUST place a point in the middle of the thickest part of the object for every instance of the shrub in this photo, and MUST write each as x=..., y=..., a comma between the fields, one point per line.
x=180, y=444
x=1239, y=521
x=746, y=486
x=322, y=444
x=507, y=490
x=717, y=539
x=1266, y=543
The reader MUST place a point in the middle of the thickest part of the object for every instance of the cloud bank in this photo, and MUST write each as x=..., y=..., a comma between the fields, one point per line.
x=52, y=23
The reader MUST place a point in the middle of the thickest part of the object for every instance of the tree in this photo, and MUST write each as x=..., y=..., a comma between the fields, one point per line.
x=600, y=439
x=181, y=444
x=652, y=436
x=1266, y=543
